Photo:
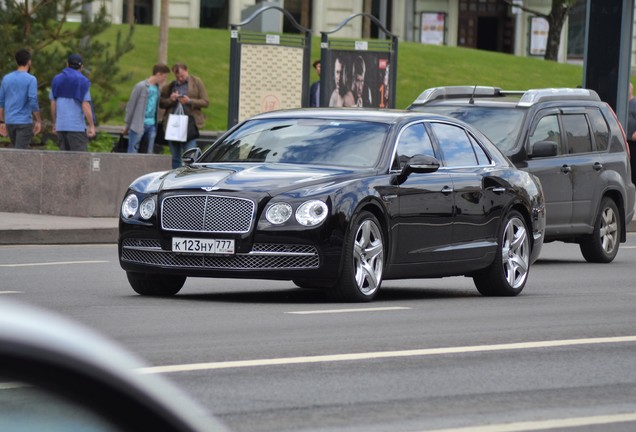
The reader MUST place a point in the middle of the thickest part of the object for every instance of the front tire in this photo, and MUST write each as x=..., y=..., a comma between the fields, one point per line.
x=155, y=285
x=602, y=245
x=508, y=273
x=363, y=261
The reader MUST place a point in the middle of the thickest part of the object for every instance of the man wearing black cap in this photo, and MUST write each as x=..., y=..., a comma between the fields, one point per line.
x=70, y=105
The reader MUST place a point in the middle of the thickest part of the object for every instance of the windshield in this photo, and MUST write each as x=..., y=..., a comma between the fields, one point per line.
x=500, y=125
x=302, y=141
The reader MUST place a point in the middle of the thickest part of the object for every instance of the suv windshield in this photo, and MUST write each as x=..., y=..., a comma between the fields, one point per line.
x=302, y=141
x=500, y=125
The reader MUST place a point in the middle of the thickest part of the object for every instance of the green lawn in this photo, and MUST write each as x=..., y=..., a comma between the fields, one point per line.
x=207, y=54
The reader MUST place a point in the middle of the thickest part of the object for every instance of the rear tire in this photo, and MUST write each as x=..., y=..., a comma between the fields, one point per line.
x=155, y=285
x=602, y=245
x=508, y=273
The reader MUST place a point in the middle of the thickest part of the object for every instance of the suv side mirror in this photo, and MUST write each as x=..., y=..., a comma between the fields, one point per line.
x=544, y=149
x=191, y=155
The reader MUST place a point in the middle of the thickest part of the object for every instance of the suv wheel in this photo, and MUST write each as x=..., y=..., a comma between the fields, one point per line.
x=602, y=245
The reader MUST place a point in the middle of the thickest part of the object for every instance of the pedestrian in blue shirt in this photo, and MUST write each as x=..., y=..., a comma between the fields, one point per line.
x=142, y=107
x=70, y=105
x=19, y=103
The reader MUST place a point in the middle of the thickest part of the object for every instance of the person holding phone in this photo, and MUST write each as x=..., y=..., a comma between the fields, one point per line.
x=189, y=91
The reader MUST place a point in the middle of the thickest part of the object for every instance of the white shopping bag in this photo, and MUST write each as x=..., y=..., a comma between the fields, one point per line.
x=177, y=127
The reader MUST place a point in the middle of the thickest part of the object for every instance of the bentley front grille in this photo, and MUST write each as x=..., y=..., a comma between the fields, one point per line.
x=262, y=257
x=207, y=213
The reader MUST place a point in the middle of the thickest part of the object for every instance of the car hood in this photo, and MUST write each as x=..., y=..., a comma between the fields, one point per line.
x=272, y=179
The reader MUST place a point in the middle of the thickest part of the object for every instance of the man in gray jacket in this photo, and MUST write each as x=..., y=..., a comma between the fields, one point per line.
x=141, y=109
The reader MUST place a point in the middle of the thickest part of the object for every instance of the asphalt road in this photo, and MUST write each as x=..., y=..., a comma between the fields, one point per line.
x=427, y=355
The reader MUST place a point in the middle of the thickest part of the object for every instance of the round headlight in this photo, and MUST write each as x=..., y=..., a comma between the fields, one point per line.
x=278, y=213
x=147, y=208
x=311, y=213
x=129, y=206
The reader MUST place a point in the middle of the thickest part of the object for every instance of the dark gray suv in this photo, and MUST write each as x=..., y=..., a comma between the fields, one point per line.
x=568, y=138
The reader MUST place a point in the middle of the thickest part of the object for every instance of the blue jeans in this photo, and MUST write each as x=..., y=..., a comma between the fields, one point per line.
x=150, y=131
x=178, y=148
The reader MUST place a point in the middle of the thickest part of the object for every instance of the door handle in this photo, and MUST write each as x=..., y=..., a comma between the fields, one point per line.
x=499, y=190
x=565, y=169
x=446, y=190
x=597, y=166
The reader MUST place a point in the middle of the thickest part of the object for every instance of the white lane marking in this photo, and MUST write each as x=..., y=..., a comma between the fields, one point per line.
x=52, y=263
x=383, y=354
x=11, y=292
x=546, y=424
x=11, y=385
x=331, y=311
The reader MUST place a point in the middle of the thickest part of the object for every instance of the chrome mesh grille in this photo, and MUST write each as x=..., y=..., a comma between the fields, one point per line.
x=207, y=213
x=262, y=257
x=142, y=243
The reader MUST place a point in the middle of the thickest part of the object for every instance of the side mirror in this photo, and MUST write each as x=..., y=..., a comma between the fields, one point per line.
x=544, y=149
x=420, y=164
x=190, y=156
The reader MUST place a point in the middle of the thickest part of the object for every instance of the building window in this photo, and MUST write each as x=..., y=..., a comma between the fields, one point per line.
x=214, y=14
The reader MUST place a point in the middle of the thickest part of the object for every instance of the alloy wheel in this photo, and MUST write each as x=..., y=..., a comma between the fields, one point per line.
x=368, y=257
x=515, y=253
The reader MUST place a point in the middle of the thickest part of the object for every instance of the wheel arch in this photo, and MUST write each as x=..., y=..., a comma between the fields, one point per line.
x=375, y=207
x=619, y=200
x=527, y=218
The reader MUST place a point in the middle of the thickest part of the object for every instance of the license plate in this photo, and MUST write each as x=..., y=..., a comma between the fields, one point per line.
x=203, y=246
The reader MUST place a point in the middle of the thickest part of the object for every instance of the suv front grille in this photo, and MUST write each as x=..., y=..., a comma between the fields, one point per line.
x=207, y=213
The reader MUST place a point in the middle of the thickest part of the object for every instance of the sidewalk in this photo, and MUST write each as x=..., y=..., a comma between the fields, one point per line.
x=21, y=228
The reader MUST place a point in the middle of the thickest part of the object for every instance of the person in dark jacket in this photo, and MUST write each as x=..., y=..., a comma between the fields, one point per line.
x=190, y=92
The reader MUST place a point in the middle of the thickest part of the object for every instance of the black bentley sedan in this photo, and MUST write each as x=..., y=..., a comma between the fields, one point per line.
x=337, y=199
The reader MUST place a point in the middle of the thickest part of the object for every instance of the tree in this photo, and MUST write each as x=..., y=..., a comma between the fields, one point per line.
x=556, y=19
x=162, y=55
x=43, y=27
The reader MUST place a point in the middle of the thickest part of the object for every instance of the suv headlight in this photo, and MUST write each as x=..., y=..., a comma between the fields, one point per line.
x=311, y=213
x=130, y=206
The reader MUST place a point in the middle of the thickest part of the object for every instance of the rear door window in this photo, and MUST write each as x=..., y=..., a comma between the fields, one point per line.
x=600, y=129
x=579, y=138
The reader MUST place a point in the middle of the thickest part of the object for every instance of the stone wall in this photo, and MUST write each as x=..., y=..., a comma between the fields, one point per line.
x=70, y=183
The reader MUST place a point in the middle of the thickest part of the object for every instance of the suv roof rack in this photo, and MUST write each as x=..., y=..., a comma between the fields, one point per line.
x=541, y=95
x=528, y=97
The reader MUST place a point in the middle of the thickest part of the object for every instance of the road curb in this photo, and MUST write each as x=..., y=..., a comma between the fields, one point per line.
x=37, y=234
x=59, y=236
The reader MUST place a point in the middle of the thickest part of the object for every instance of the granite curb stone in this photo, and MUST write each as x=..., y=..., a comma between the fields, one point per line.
x=22, y=229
